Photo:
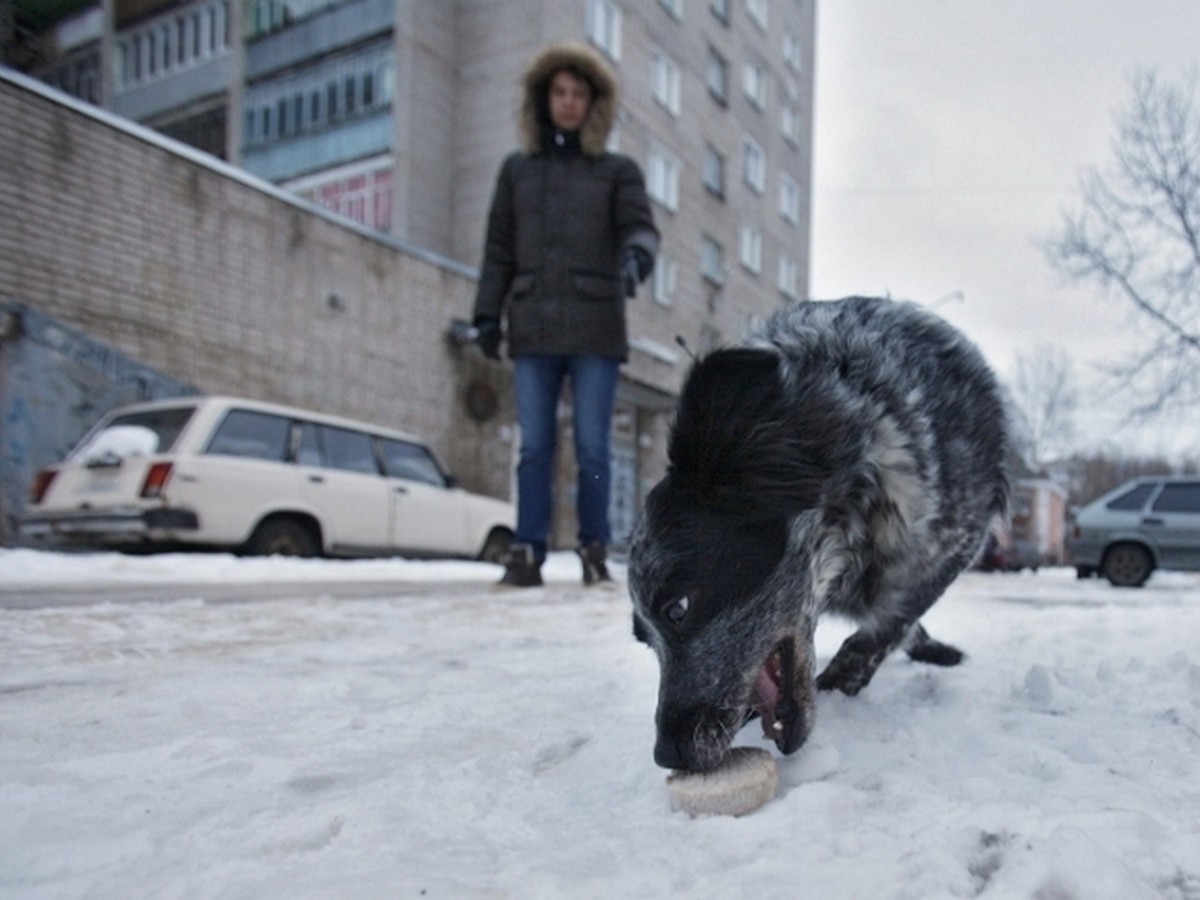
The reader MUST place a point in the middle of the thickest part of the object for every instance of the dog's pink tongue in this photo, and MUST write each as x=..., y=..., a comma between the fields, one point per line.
x=766, y=698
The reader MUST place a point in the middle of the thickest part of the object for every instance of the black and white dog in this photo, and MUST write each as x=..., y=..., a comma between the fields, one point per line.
x=850, y=459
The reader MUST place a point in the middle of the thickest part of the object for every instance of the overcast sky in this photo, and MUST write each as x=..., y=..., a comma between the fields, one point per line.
x=950, y=137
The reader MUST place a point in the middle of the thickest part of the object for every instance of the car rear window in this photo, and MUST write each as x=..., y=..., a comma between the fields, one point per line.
x=137, y=434
x=1133, y=499
x=251, y=434
x=1182, y=498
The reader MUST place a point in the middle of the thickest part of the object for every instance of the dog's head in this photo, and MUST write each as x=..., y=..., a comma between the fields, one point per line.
x=718, y=569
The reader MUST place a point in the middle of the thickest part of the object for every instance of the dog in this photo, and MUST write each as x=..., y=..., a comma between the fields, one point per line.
x=849, y=458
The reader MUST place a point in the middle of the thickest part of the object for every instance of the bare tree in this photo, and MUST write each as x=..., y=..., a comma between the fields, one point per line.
x=1138, y=235
x=1045, y=396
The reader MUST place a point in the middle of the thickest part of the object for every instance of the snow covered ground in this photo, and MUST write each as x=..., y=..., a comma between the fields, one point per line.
x=454, y=742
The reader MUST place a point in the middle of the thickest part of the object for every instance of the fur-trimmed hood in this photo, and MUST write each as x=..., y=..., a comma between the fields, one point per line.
x=586, y=62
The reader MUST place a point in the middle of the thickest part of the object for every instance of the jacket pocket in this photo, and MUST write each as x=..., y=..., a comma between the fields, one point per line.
x=595, y=286
x=522, y=285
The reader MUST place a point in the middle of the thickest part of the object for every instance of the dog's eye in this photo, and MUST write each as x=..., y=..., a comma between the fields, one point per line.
x=676, y=611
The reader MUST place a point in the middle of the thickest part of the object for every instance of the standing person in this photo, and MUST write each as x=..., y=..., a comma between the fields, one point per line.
x=570, y=235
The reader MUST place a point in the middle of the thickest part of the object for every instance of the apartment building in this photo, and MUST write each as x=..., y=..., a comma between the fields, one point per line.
x=397, y=114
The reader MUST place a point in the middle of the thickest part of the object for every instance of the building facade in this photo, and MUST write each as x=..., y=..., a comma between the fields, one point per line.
x=396, y=114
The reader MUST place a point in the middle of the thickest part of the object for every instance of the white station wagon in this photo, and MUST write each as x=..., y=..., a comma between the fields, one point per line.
x=260, y=478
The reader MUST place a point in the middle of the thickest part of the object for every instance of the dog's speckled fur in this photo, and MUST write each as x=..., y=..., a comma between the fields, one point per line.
x=848, y=459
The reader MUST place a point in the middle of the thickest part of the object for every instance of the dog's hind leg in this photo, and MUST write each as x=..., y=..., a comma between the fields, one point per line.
x=922, y=648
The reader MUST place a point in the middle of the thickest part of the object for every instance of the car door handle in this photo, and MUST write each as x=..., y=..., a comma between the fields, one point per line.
x=1150, y=520
x=317, y=479
x=401, y=489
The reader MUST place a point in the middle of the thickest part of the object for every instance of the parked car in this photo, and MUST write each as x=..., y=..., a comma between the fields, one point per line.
x=259, y=478
x=1145, y=524
x=1008, y=555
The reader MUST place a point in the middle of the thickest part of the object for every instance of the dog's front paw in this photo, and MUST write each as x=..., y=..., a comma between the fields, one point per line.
x=843, y=678
x=853, y=667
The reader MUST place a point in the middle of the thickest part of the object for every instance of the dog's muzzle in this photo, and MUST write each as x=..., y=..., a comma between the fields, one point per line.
x=697, y=738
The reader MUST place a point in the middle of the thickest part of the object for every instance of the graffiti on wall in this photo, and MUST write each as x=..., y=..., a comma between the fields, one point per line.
x=55, y=381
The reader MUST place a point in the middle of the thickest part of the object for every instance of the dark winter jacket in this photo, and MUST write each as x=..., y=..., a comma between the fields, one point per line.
x=560, y=216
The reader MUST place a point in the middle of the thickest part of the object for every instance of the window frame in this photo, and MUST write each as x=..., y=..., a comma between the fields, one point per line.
x=662, y=178
x=712, y=260
x=603, y=27
x=715, y=171
x=716, y=76
x=666, y=82
x=754, y=164
x=750, y=247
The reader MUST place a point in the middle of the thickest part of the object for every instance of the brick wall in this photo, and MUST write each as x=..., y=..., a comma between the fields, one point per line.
x=225, y=282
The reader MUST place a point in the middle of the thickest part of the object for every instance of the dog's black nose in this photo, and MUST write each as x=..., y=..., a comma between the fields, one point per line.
x=672, y=754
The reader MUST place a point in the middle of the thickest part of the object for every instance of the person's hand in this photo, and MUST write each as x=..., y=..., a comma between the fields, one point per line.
x=488, y=338
x=636, y=264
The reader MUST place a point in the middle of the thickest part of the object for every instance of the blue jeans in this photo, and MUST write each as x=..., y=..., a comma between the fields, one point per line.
x=538, y=383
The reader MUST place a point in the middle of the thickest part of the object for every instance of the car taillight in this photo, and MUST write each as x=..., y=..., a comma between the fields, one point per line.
x=156, y=480
x=41, y=484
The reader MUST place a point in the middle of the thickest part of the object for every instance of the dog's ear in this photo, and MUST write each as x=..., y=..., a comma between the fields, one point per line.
x=736, y=446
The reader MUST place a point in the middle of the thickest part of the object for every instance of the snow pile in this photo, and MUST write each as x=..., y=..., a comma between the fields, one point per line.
x=476, y=744
x=119, y=442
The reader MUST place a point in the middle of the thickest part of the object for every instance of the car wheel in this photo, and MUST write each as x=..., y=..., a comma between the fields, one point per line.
x=1127, y=565
x=496, y=546
x=283, y=537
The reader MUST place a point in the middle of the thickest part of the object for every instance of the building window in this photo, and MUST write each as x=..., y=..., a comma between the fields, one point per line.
x=754, y=165
x=282, y=118
x=754, y=85
x=789, y=277
x=720, y=9
x=750, y=248
x=665, y=280
x=674, y=7
x=320, y=99
x=714, y=171
x=163, y=46
x=790, y=126
x=793, y=55
x=712, y=260
x=665, y=82
x=662, y=178
x=716, y=76
x=331, y=99
x=757, y=10
x=363, y=194
x=789, y=199
x=265, y=16
x=604, y=27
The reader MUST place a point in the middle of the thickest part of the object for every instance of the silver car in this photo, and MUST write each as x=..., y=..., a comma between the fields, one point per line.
x=1145, y=524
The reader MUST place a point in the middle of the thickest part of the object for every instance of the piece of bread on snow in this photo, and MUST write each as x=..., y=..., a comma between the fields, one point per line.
x=745, y=781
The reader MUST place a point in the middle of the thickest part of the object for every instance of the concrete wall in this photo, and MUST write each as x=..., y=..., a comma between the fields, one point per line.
x=223, y=282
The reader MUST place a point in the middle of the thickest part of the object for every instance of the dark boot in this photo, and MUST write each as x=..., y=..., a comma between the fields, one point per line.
x=521, y=567
x=593, y=556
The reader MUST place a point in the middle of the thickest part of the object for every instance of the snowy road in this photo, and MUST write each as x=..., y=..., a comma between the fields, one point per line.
x=432, y=738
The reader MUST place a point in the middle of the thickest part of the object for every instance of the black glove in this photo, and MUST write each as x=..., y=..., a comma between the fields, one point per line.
x=636, y=264
x=489, y=336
